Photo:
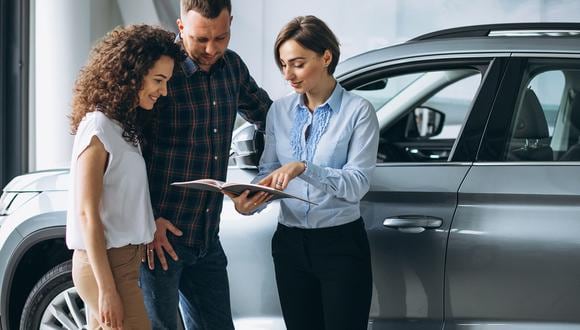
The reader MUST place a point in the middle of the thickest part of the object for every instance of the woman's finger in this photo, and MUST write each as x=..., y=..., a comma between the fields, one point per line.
x=267, y=181
x=251, y=204
x=116, y=320
x=263, y=197
x=287, y=179
x=105, y=320
x=277, y=182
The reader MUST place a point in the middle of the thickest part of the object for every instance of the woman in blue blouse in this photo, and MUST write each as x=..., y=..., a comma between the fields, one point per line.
x=321, y=143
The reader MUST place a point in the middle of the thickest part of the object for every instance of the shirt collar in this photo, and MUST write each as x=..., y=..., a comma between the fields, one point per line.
x=189, y=66
x=333, y=102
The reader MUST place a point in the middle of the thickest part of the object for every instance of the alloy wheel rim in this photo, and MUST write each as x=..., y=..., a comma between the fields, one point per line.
x=65, y=311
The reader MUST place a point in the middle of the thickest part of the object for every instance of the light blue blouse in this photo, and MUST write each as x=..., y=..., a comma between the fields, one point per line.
x=340, y=154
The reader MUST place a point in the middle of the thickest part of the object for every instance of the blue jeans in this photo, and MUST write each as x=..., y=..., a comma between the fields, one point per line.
x=198, y=284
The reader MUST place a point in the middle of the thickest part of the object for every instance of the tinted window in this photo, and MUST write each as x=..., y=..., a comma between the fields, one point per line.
x=549, y=87
x=546, y=121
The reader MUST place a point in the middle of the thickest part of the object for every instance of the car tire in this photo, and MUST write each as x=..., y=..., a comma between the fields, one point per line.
x=53, y=302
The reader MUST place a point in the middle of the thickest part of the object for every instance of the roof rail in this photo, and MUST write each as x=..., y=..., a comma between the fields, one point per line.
x=504, y=29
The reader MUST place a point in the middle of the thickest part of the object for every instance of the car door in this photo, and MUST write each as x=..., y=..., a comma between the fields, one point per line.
x=413, y=195
x=514, y=243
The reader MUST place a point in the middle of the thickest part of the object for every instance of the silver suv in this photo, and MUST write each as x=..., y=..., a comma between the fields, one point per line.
x=473, y=215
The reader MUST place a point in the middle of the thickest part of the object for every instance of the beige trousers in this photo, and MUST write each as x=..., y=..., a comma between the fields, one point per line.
x=125, y=262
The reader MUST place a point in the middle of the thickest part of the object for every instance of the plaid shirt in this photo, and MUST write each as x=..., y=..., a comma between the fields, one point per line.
x=190, y=139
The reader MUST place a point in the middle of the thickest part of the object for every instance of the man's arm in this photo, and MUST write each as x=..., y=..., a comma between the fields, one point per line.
x=253, y=101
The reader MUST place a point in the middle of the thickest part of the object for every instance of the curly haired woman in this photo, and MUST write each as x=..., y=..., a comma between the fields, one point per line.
x=109, y=214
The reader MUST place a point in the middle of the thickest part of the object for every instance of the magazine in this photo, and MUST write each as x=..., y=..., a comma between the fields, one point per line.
x=235, y=188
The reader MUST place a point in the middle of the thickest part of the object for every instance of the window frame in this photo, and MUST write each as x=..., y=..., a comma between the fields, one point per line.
x=14, y=88
x=491, y=66
x=3, y=86
x=498, y=131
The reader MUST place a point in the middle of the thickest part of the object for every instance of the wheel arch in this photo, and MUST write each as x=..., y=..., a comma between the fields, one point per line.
x=43, y=249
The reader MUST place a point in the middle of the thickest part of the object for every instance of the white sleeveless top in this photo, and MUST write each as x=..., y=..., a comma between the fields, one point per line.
x=125, y=207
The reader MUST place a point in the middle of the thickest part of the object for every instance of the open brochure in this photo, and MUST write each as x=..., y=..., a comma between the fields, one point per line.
x=235, y=188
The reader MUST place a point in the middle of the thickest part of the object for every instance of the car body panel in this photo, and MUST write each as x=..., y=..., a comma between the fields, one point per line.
x=50, y=180
x=246, y=241
x=513, y=249
x=408, y=266
x=26, y=226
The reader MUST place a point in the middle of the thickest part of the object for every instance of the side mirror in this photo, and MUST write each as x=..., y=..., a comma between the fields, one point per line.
x=424, y=122
x=247, y=147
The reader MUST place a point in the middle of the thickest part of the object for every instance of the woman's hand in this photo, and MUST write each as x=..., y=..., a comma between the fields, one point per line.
x=246, y=204
x=111, y=309
x=281, y=177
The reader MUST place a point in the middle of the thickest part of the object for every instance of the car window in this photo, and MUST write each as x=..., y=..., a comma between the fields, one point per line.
x=546, y=122
x=454, y=101
x=549, y=87
x=380, y=92
x=421, y=113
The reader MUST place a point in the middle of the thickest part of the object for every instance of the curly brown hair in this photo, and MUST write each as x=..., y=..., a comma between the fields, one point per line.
x=113, y=76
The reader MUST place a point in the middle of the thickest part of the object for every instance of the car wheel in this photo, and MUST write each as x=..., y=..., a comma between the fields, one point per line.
x=54, y=302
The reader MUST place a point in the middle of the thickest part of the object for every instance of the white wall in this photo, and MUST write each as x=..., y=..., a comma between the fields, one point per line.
x=64, y=32
x=138, y=11
x=58, y=44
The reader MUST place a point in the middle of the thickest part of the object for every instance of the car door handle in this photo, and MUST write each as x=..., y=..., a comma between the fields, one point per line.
x=413, y=223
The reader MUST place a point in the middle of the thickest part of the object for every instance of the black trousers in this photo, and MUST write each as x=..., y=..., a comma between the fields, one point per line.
x=324, y=276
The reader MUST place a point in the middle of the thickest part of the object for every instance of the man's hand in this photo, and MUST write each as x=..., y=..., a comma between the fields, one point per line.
x=161, y=245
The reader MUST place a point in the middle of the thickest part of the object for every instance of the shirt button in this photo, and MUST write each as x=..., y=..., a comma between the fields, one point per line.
x=214, y=103
x=215, y=157
x=215, y=130
x=207, y=210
